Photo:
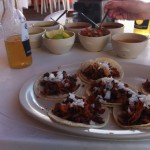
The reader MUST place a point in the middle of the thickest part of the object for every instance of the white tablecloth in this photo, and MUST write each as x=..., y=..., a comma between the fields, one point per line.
x=20, y=131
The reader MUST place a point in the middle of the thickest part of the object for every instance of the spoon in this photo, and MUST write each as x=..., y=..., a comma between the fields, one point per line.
x=96, y=25
x=106, y=14
x=56, y=22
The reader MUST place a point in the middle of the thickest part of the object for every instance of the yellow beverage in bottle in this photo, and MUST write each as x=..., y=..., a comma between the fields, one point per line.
x=18, y=57
x=142, y=27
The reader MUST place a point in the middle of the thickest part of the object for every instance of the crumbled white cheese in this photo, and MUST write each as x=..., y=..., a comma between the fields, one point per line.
x=104, y=65
x=59, y=75
x=107, y=95
x=71, y=96
x=109, y=85
x=78, y=102
x=99, y=97
x=133, y=98
x=136, y=97
x=51, y=76
x=121, y=85
x=130, y=91
x=106, y=79
x=142, y=97
x=146, y=100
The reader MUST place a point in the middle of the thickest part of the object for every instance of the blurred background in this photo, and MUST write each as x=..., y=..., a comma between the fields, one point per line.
x=41, y=9
x=92, y=8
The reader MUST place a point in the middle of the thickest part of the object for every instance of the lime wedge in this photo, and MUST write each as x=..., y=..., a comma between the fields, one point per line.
x=48, y=35
x=66, y=35
x=58, y=36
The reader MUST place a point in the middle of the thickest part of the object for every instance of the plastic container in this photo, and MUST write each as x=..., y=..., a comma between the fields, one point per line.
x=142, y=27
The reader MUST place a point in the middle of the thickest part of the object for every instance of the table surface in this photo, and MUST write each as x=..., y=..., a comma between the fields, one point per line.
x=20, y=130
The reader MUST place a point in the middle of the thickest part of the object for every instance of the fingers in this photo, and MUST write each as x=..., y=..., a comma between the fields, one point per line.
x=117, y=14
x=118, y=9
x=127, y=9
x=117, y=4
x=113, y=4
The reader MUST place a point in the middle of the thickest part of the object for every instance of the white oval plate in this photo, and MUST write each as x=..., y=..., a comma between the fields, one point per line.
x=30, y=104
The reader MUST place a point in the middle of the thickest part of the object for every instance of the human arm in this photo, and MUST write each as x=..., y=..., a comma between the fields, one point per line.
x=128, y=9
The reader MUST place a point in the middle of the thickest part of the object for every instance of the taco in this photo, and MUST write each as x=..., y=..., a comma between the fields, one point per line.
x=111, y=92
x=134, y=114
x=101, y=67
x=78, y=112
x=56, y=85
x=145, y=87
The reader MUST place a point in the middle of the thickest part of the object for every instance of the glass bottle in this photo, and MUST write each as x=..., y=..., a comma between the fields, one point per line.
x=16, y=36
x=142, y=27
x=1, y=33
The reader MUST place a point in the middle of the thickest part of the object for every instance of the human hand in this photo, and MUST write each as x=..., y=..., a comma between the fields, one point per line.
x=127, y=9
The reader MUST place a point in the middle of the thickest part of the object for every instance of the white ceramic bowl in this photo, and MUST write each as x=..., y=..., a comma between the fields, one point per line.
x=128, y=45
x=59, y=46
x=47, y=25
x=94, y=44
x=35, y=36
x=76, y=27
x=114, y=27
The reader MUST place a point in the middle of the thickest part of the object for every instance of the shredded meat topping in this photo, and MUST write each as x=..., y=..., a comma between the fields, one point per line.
x=134, y=114
x=115, y=94
x=96, y=71
x=62, y=86
x=91, y=111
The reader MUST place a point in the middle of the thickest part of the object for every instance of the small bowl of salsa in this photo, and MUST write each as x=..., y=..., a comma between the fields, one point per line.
x=129, y=45
x=94, y=40
x=47, y=25
x=113, y=27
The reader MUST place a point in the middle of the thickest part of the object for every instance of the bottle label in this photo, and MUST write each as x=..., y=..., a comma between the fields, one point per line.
x=25, y=38
x=141, y=24
x=27, y=47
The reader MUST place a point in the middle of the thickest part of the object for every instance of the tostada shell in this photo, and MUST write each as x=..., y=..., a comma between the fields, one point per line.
x=112, y=62
x=59, y=120
x=142, y=90
x=117, y=112
x=37, y=91
x=108, y=104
